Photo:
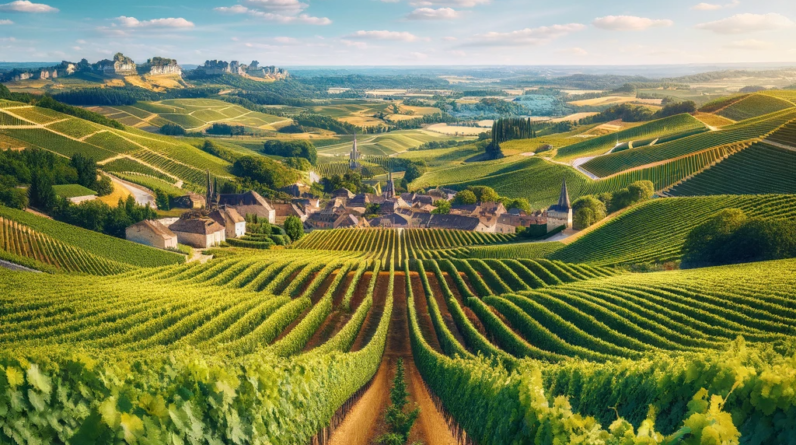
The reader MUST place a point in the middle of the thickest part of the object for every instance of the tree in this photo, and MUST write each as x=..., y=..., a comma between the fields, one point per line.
x=41, y=192
x=413, y=171
x=13, y=197
x=162, y=199
x=465, y=197
x=443, y=207
x=266, y=171
x=172, y=129
x=484, y=193
x=294, y=228
x=372, y=209
x=399, y=422
x=641, y=191
x=705, y=242
x=292, y=149
x=104, y=186
x=518, y=203
x=86, y=170
x=587, y=210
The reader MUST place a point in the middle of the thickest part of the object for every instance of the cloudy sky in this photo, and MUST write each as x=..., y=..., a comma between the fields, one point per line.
x=403, y=32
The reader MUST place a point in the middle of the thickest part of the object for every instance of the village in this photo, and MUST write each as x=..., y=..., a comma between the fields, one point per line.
x=212, y=219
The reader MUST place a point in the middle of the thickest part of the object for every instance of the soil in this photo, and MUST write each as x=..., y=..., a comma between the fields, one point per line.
x=476, y=322
x=365, y=422
x=443, y=308
x=371, y=323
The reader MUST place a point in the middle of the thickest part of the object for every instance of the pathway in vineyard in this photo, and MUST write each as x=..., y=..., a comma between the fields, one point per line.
x=365, y=422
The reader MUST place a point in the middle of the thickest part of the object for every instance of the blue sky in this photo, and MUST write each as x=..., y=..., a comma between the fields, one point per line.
x=403, y=32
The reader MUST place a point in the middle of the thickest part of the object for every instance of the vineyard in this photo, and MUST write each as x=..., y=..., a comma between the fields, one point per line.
x=102, y=246
x=21, y=241
x=754, y=106
x=599, y=145
x=68, y=136
x=651, y=232
x=758, y=128
x=232, y=350
x=760, y=169
x=392, y=246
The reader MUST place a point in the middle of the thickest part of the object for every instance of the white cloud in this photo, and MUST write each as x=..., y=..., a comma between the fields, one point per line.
x=743, y=23
x=527, y=36
x=6, y=22
x=749, y=44
x=26, y=6
x=629, y=23
x=434, y=14
x=450, y=39
x=285, y=40
x=574, y=51
x=132, y=22
x=353, y=44
x=715, y=6
x=384, y=35
x=281, y=11
x=459, y=3
x=419, y=56
x=458, y=53
x=81, y=41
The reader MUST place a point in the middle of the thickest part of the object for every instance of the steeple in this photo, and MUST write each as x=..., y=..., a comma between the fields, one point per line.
x=389, y=190
x=353, y=158
x=563, y=200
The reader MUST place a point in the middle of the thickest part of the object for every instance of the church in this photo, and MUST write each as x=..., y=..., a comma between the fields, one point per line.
x=355, y=156
x=560, y=214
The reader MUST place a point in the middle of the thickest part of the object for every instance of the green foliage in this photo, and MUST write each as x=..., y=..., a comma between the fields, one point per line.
x=465, y=197
x=82, y=113
x=399, y=421
x=729, y=237
x=443, y=207
x=265, y=171
x=292, y=149
x=172, y=129
x=294, y=228
x=587, y=210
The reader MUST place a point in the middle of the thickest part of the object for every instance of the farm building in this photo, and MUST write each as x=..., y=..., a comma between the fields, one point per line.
x=153, y=234
x=202, y=233
x=190, y=201
x=320, y=221
x=560, y=214
x=351, y=221
x=283, y=211
x=234, y=224
x=249, y=203
x=458, y=222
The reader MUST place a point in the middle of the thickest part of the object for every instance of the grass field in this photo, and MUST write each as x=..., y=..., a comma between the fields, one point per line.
x=72, y=191
x=754, y=106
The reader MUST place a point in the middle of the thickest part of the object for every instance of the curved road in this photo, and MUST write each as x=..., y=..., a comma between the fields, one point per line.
x=142, y=195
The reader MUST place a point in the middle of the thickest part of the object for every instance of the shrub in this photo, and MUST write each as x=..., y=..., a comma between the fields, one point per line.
x=294, y=228
x=292, y=149
x=172, y=129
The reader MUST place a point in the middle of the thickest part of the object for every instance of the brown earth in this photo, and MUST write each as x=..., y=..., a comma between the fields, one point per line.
x=436, y=289
x=423, y=317
x=365, y=422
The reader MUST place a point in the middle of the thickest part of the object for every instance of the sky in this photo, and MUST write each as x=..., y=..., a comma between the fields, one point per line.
x=403, y=32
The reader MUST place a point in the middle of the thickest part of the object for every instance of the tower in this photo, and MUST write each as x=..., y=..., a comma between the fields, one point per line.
x=560, y=214
x=354, y=157
x=389, y=189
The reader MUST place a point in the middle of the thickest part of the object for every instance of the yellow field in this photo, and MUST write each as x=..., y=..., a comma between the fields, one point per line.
x=449, y=130
x=119, y=192
x=419, y=111
x=607, y=100
x=573, y=117
x=361, y=121
x=713, y=120
x=576, y=92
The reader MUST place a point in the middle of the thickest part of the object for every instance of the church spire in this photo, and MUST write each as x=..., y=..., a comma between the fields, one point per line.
x=563, y=200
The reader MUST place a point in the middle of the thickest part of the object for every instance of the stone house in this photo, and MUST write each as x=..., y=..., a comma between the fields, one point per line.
x=249, y=203
x=201, y=233
x=234, y=224
x=190, y=201
x=351, y=222
x=151, y=233
x=283, y=211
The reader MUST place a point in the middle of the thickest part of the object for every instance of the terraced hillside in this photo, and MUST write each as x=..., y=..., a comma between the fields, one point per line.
x=745, y=131
x=600, y=145
x=67, y=136
x=754, y=106
x=760, y=169
x=651, y=232
x=57, y=237
x=191, y=114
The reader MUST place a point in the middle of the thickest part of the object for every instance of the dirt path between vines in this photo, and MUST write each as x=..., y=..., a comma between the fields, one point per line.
x=365, y=422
